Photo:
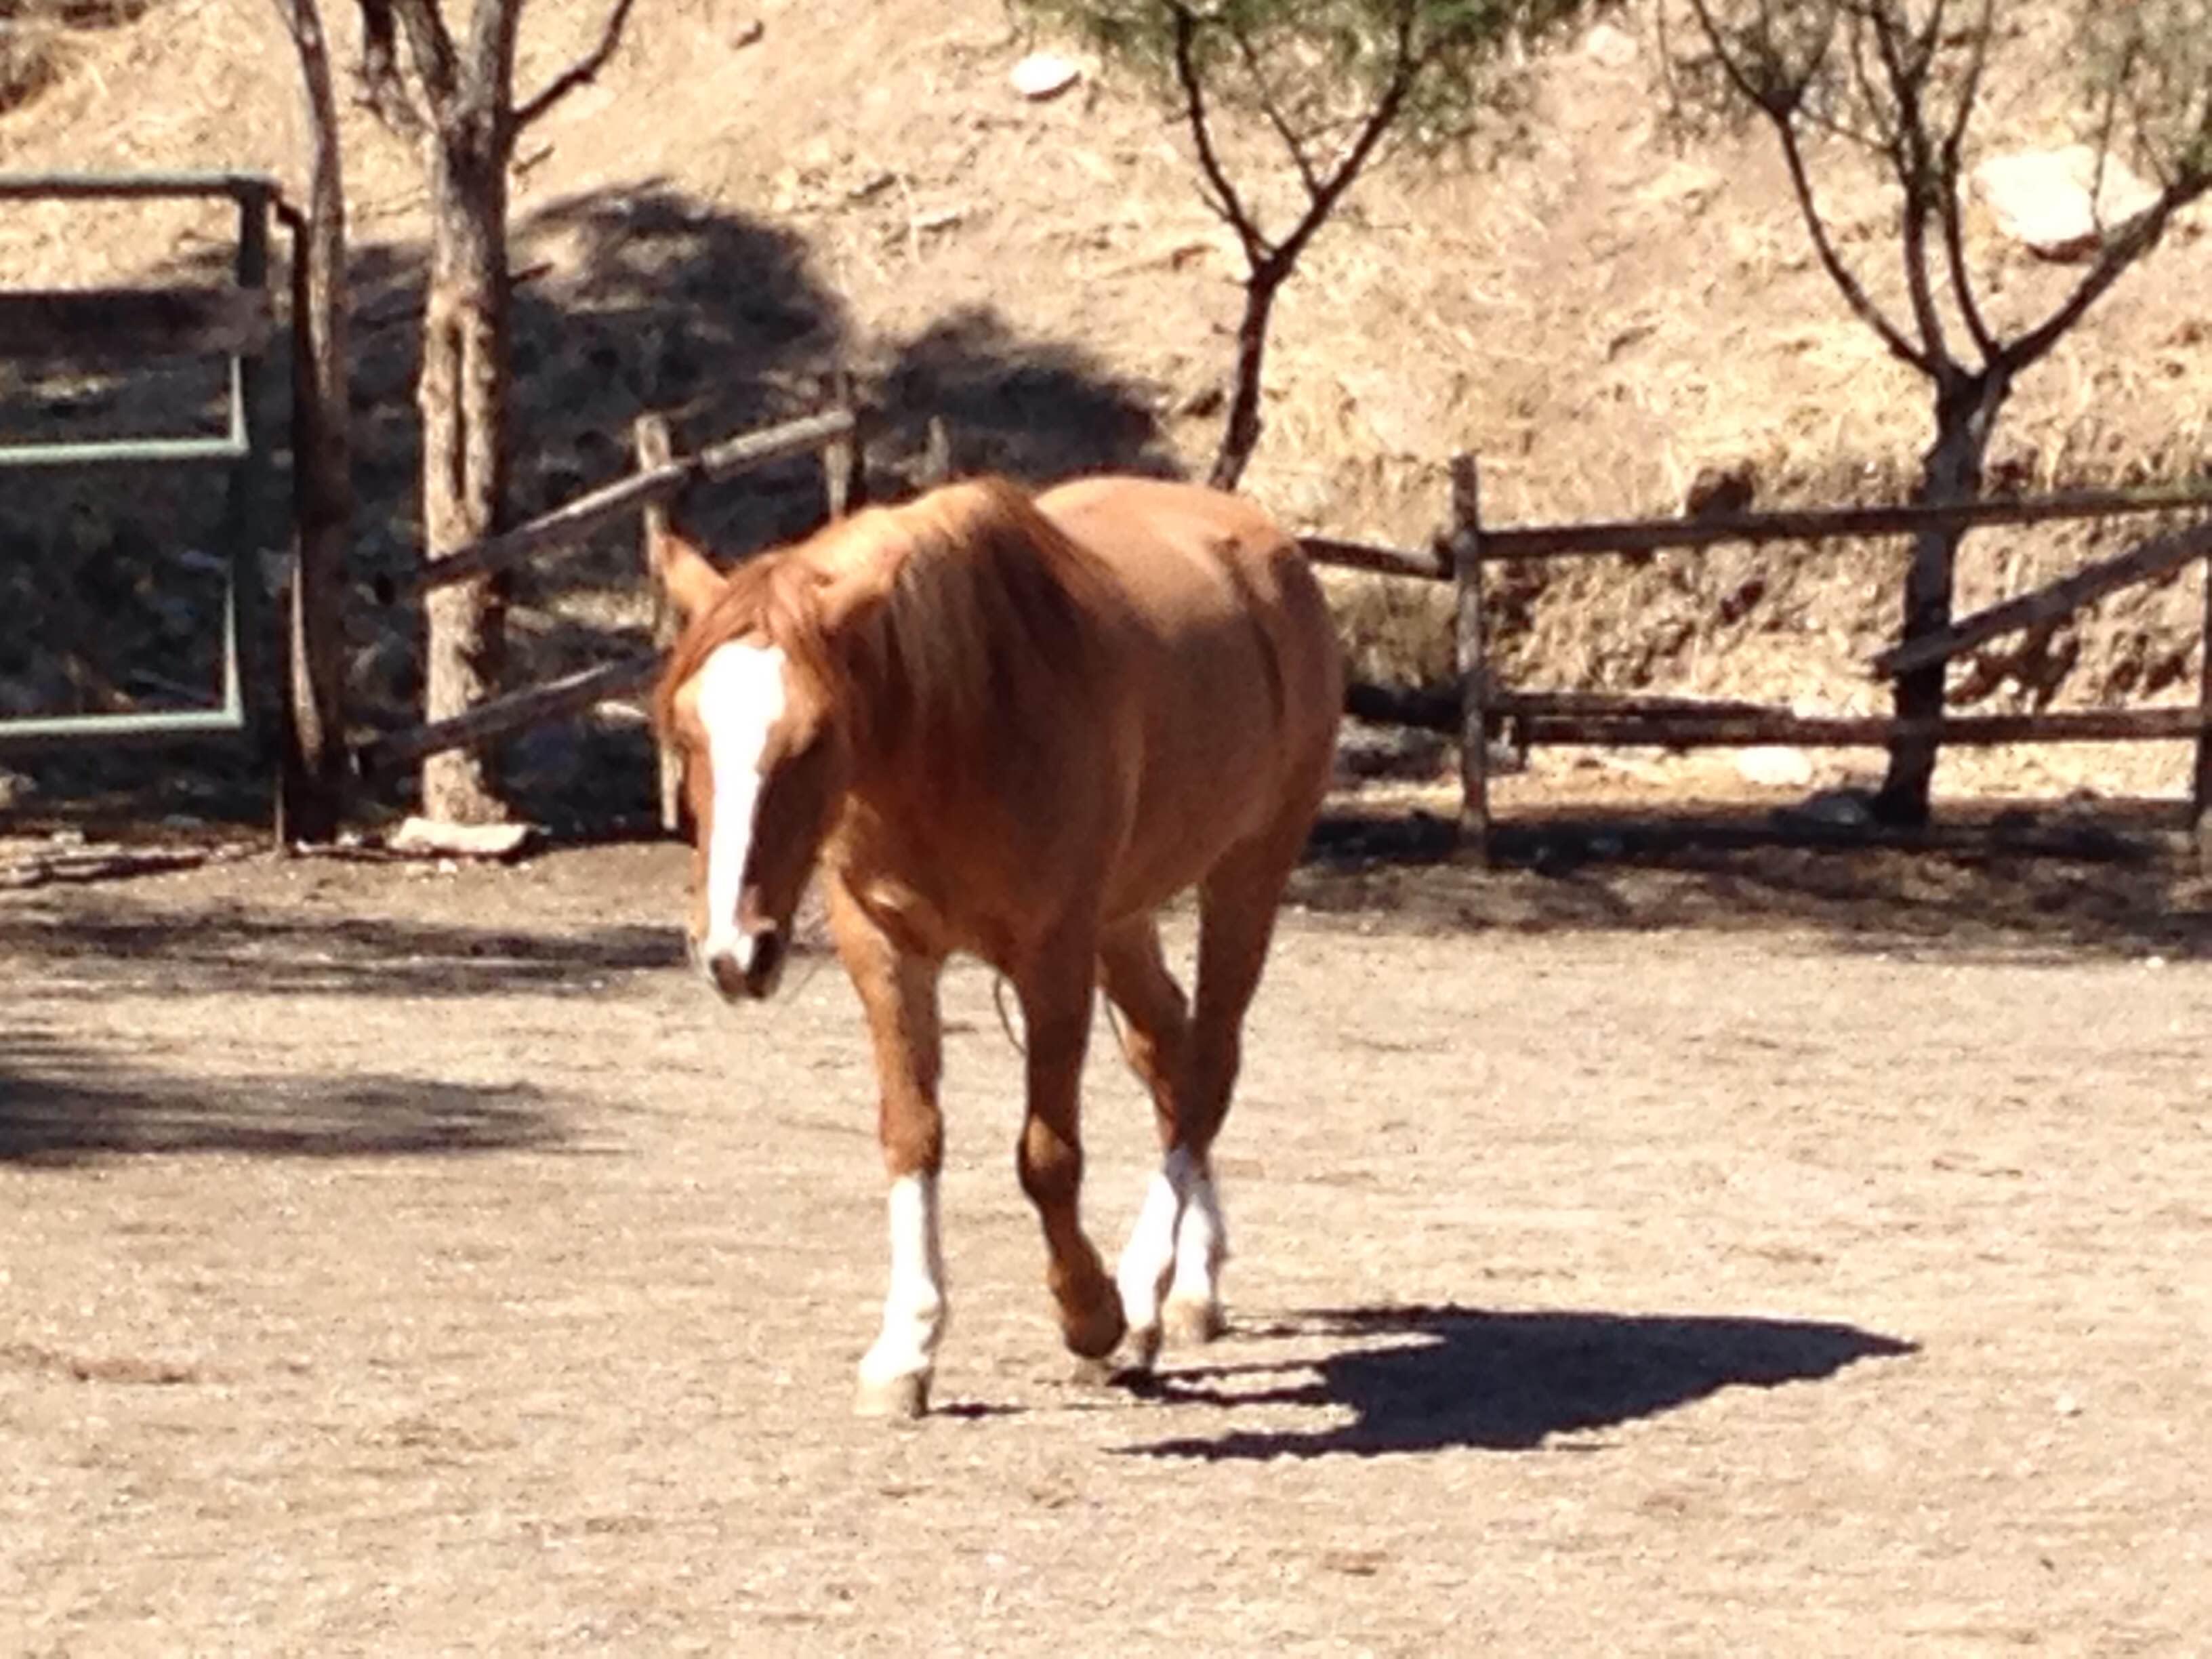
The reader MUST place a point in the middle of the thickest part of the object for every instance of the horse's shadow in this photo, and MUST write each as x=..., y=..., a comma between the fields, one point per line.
x=1501, y=1381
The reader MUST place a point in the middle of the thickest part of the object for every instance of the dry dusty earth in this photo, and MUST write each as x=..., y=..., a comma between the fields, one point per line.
x=1775, y=1258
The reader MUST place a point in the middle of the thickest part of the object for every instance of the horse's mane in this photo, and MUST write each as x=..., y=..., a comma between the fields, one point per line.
x=961, y=623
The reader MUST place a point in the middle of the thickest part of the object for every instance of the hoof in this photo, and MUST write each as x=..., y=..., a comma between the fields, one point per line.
x=1097, y=1334
x=900, y=1398
x=1144, y=1351
x=1193, y=1323
x=1084, y=1373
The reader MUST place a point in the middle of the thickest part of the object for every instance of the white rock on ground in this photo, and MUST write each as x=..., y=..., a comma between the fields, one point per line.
x=2043, y=199
x=1044, y=75
x=1775, y=767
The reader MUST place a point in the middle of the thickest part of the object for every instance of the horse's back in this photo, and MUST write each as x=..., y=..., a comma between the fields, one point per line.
x=1240, y=690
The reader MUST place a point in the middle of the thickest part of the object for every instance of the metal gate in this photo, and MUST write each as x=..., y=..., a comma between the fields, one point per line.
x=130, y=325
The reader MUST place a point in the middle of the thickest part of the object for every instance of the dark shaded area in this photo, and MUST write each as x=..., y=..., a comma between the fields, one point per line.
x=1036, y=409
x=206, y=951
x=2003, y=882
x=1502, y=1381
x=60, y=1107
x=627, y=300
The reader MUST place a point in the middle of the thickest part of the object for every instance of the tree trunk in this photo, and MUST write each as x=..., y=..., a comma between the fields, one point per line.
x=1950, y=472
x=1242, y=436
x=312, y=795
x=463, y=402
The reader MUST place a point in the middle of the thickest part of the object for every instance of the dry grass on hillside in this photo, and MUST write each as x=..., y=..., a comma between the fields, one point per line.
x=1599, y=308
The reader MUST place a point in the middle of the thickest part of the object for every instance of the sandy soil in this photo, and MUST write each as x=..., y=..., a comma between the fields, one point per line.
x=1782, y=1257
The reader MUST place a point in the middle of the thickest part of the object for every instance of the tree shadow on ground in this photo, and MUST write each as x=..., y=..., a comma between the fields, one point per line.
x=59, y=1107
x=1433, y=1378
x=207, y=952
x=2001, y=883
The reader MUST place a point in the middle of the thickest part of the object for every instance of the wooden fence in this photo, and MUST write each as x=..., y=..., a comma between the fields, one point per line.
x=661, y=477
x=1466, y=547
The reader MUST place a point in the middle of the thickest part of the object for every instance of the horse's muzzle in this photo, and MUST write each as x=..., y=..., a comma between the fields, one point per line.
x=752, y=971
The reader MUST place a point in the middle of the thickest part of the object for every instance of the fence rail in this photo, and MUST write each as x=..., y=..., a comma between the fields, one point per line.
x=565, y=526
x=556, y=699
x=1511, y=543
x=2159, y=557
x=832, y=435
x=1461, y=553
x=125, y=186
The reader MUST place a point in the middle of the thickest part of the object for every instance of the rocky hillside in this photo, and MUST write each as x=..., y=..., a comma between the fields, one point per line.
x=1598, y=306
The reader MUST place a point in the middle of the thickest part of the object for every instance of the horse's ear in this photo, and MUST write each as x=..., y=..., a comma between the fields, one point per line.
x=684, y=572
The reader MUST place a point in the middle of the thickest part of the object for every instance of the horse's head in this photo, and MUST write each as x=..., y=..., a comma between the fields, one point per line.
x=747, y=706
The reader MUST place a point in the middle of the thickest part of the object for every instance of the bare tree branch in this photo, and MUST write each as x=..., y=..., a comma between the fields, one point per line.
x=1265, y=90
x=582, y=72
x=1824, y=247
x=1406, y=67
x=383, y=87
x=428, y=44
x=2127, y=244
x=1905, y=58
x=1951, y=176
x=1778, y=97
x=1223, y=198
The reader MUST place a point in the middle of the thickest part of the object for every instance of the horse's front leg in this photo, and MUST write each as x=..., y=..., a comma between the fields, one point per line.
x=1055, y=987
x=898, y=989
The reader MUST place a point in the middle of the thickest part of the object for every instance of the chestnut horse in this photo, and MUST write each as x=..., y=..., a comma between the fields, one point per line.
x=1013, y=728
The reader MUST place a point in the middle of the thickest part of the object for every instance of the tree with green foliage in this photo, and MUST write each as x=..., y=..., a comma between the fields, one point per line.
x=1333, y=84
x=1904, y=81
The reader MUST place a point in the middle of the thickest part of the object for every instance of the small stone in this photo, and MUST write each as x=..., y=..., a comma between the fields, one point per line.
x=1615, y=48
x=450, y=841
x=1775, y=767
x=1044, y=75
x=1841, y=809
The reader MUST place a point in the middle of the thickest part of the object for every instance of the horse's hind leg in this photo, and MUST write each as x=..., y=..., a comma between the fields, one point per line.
x=1236, y=921
x=1134, y=975
x=898, y=991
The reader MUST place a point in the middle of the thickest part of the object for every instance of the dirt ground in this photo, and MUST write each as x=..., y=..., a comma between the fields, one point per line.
x=1777, y=1253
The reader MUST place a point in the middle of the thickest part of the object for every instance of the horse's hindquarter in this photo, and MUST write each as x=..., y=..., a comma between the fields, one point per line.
x=1238, y=689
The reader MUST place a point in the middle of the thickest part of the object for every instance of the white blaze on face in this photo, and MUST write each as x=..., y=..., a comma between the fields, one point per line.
x=741, y=697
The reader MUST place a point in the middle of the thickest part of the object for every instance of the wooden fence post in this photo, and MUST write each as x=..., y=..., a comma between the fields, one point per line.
x=2200, y=793
x=1464, y=545
x=844, y=460
x=656, y=446
x=936, y=454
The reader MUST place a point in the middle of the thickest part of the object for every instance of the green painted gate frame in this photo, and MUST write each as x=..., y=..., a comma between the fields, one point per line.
x=243, y=449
